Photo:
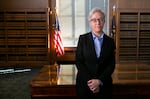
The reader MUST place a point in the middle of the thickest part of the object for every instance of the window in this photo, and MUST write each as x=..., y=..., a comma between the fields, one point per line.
x=73, y=18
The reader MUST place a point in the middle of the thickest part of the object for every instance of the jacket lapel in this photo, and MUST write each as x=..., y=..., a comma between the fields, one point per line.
x=91, y=42
x=103, y=47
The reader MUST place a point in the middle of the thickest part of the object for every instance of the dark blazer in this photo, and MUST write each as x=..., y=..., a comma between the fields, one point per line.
x=90, y=67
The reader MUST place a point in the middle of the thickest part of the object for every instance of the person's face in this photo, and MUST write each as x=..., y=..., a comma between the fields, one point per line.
x=97, y=22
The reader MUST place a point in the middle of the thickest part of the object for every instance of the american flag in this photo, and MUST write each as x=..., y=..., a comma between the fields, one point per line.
x=113, y=25
x=58, y=39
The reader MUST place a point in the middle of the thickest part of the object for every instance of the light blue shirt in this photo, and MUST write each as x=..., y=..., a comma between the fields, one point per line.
x=98, y=44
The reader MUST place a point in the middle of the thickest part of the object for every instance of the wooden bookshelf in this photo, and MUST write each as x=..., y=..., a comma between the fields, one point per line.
x=133, y=50
x=24, y=37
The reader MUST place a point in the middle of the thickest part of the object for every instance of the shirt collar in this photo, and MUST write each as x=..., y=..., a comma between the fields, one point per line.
x=99, y=37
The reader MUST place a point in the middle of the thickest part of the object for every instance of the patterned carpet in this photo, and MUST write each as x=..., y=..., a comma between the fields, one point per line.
x=16, y=85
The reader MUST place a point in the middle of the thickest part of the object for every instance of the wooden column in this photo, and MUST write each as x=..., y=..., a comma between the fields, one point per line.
x=51, y=49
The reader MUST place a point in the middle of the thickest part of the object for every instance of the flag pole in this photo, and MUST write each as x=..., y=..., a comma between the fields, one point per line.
x=114, y=26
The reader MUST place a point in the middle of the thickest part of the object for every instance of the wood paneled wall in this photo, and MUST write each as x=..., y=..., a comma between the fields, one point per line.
x=22, y=4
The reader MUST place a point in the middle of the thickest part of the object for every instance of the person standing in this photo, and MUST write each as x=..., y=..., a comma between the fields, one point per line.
x=95, y=60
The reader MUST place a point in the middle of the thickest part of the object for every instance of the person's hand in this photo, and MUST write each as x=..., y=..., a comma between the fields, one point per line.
x=94, y=85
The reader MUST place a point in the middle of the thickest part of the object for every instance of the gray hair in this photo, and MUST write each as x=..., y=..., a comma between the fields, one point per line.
x=94, y=10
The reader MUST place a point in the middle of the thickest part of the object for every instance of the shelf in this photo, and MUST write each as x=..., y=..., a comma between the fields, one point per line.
x=128, y=26
x=144, y=34
x=128, y=34
x=128, y=17
x=145, y=17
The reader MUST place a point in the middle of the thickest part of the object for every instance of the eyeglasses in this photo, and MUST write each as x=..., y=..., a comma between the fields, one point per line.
x=97, y=20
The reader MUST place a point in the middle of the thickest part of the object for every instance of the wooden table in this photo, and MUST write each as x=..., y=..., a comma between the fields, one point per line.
x=48, y=83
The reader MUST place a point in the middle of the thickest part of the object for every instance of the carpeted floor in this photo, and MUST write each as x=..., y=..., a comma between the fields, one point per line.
x=16, y=85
